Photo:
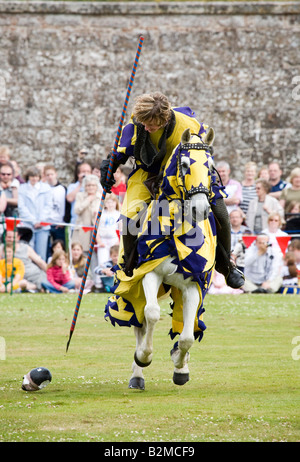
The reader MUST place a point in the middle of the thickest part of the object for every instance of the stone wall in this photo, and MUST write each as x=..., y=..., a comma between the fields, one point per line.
x=64, y=70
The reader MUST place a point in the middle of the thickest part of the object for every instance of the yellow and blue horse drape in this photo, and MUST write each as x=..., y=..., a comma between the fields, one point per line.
x=167, y=231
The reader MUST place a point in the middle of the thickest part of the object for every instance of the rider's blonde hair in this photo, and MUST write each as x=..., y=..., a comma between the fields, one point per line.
x=152, y=108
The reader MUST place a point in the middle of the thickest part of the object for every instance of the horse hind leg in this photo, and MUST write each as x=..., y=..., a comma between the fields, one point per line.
x=137, y=380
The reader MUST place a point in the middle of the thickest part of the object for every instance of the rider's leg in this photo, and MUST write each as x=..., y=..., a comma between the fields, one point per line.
x=234, y=277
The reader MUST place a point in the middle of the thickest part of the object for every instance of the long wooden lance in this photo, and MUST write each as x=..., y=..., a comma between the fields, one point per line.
x=109, y=174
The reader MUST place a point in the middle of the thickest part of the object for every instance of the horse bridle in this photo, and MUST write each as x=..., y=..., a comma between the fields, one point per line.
x=187, y=147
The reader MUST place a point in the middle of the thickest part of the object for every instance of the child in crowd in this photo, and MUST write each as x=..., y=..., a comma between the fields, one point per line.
x=59, y=279
x=105, y=270
x=78, y=262
x=108, y=227
x=12, y=271
x=58, y=244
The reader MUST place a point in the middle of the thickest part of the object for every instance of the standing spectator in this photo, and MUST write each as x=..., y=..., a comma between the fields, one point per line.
x=291, y=193
x=17, y=171
x=34, y=208
x=248, y=186
x=119, y=188
x=86, y=208
x=260, y=208
x=263, y=266
x=59, y=278
x=264, y=173
x=4, y=154
x=60, y=208
x=237, y=227
x=233, y=188
x=73, y=189
x=9, y=185
x=108, y=226
x=11, y=271
x=277, y=184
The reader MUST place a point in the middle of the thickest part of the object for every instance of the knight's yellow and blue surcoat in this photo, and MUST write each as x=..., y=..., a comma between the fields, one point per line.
x=165, y=232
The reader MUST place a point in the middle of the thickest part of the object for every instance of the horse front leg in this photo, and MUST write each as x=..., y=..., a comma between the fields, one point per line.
x=180, y=355
x=137, y=380
x=151, y=284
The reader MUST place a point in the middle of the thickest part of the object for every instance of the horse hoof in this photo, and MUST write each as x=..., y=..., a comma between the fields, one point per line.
x=137, y=383
x=139, y=363
x=180, y=379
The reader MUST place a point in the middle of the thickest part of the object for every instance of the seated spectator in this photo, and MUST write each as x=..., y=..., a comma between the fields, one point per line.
x=108, y=226
x=263, y=265
x=11, y=271
x=35, y=266
x=219, y=286
x=292, y=218
x=233, y=188
x=9, y=185
x=260, y=208
x=73, y=189
x=60, y=207
x=59, y=278
x=105, y=270
x=58, y=244
x=237, y=228
x=293, y=192
x=289, y=270
x=86, y=208
x=276, y=183
x=273, y=230
x=294, y=247
x=77, y=265
x=238, y=252
x=248, y=186
x=34, y=205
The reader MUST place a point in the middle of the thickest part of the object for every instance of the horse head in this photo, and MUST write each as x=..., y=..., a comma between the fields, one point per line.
x=195, y=164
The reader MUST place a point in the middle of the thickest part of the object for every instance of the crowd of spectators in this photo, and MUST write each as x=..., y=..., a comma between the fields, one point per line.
x=53, y=226
x=55, y=222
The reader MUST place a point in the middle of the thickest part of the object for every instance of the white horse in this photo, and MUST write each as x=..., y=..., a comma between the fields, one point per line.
x=195, y=186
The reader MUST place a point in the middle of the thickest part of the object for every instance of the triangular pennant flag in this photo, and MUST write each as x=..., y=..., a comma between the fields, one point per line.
x=118, y=233
x=283, y=242
x=44, y=223
x=87, y=228
x=10, y=223
x=248, y=240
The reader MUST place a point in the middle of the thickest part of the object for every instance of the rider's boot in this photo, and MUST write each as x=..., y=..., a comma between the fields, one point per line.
x=233, y=276
x=130, y=253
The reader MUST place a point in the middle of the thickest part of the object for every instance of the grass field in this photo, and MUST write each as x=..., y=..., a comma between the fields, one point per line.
x=244, y=375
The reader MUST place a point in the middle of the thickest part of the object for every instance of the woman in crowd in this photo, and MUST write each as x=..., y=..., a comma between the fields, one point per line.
x=248, y=186
x=260, y=208
x=109, y=226
x=86, y=208
x=293, y=193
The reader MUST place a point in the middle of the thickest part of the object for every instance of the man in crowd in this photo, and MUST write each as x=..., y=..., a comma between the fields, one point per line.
x=263, y=264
